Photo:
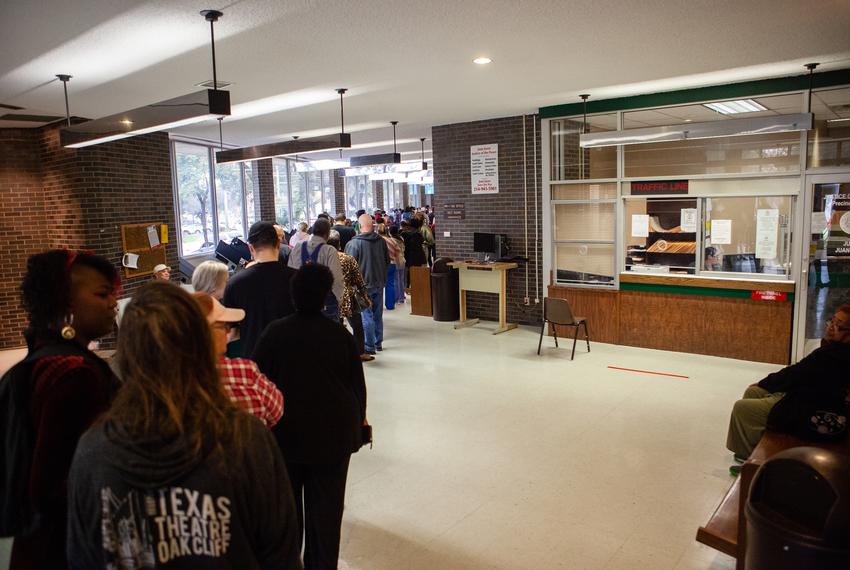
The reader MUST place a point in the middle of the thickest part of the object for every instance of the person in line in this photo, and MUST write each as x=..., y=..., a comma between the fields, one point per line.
x=161, y=272
x=316, y=250
x=373, y=257
x=357, y=221
x=299, y=235
x=261, y=290
x=395, y=251
x=414, y=247
x=70, y=300
x=346, y=232
x=315, y=362
x=210, y=277
x=243, y=382
x=400, y=264
x=821, y=377
x=348, y=308
x=283, y=253
x=427, y=236
x=176, y=475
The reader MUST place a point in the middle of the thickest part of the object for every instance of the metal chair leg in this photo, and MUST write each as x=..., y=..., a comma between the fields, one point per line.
x=586, y=336
x=555, y=334
x=539, y=344
x=575, y=338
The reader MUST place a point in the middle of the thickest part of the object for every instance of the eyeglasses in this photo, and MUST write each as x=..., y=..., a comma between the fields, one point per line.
x=831, y=323
x=224, y=326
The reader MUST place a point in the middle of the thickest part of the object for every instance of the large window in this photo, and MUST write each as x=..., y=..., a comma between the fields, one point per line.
x=212, y=200
x=829, y=141
x=300, y=196
x=281, y=194
x=571, y=162
x=359, y=195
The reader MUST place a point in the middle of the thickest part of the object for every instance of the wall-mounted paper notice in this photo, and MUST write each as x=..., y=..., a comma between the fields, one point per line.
x=130, y=260
x=640, y=225
x=819, y=222
x=688, y=220
x=767, y=229
x=721, y=232
x=153, y=236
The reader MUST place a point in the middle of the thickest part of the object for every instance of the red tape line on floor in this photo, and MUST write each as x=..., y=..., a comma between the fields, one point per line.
x=648, y=372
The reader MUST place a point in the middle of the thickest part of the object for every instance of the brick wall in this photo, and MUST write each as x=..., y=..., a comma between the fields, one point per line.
x=264, y=185
x=492, y=213
x=55, y=197
x=339, y=192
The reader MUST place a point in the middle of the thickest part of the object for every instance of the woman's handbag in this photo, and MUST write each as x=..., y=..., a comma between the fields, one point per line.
x=361, y=299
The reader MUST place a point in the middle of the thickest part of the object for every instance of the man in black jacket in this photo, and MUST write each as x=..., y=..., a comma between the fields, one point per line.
x=261, y=290
x=822, y=376
x=316, y=364
x=345, y=232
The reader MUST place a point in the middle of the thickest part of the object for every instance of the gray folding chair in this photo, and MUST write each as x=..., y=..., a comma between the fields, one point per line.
x=558, y=312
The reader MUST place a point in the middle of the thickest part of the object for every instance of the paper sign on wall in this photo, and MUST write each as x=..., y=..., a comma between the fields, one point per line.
x=484, y=161
x=153, y=236
x=688, y=221
x=767, y=230
x=721, y=232
x=640, y=225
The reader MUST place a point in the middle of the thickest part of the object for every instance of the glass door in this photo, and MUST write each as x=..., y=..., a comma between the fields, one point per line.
x=825, y=280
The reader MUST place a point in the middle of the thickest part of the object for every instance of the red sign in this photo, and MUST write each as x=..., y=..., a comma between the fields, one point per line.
x=768, y=296
x=660, y=187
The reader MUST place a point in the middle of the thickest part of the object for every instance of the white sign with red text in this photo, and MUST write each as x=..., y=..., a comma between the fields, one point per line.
x=484, y=162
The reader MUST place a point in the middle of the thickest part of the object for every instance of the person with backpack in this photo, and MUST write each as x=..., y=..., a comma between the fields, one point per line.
x=52, y=397
x=176, y=475
x=317, y=250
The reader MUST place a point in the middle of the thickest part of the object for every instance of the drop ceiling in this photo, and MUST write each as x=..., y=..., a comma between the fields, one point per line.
x=401, y=60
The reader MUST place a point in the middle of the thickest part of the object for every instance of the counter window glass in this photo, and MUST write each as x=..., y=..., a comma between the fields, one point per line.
x=571, y=162
x=661, y=235
x=747, y=234
x=829, y=141
x=585, y=263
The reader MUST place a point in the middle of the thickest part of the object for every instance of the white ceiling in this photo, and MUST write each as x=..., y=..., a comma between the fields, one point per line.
x=402, y=60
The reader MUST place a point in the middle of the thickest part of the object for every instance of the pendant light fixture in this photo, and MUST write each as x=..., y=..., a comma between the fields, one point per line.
x=811, y=67
x=422, y=153
x=387, y=158
x=311, y=144
x=64, y=79
x=180, y=111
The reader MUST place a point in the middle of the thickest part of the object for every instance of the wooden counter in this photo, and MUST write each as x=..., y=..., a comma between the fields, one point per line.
x=713, y=316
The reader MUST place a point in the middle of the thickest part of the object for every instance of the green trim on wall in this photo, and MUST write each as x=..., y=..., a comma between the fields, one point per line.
x=713, y=92
x=700, y=291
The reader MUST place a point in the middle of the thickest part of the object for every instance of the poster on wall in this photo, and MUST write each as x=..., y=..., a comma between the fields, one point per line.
x=721, y=232
x=484, y=161
x=767, y=230
x=688, y=220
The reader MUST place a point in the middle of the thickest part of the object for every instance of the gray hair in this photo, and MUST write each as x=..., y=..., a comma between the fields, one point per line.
x=208, y=276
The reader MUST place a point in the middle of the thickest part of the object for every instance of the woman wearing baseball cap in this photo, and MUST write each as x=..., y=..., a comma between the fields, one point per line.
x=243, y=382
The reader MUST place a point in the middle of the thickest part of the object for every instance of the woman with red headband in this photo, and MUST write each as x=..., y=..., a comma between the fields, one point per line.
x=70, y=300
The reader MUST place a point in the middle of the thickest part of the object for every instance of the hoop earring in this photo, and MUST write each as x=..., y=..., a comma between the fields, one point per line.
x=68, y=332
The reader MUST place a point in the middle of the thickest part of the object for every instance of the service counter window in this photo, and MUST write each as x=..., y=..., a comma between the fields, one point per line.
x=571, y=162
x=661, y=235
x=829, y=141
x=584, y=225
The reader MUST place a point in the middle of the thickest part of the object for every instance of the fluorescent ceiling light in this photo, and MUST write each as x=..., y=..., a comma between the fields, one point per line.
x=712, y=129
x=173, y=113
x=377, y=170
x=283, y=102
x=283, y=148
x=482, y=60
x=736, y=107
x=838, y=120
x=322, y=164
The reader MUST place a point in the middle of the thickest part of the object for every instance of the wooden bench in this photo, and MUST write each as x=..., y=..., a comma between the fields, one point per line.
x=726, y=530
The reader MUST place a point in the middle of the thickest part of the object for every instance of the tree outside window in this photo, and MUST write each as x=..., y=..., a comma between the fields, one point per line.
x=194, y=198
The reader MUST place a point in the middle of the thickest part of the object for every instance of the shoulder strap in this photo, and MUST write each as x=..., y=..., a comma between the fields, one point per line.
x=314, y=257
x=304, y=256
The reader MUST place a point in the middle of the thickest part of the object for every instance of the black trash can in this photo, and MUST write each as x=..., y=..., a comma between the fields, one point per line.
x=798, y=512
x=445, y=300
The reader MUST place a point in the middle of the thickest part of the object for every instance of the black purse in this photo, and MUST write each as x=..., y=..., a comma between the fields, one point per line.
x=361, y=299
x=366, y=436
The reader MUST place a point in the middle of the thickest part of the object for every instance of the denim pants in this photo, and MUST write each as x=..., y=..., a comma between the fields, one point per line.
x=390, y=296
x=373, y=319
x=399, y=284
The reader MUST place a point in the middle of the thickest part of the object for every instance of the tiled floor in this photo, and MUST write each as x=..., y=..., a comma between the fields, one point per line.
x=489, y=456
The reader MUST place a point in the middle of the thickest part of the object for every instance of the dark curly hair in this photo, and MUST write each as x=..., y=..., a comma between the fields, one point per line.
x=46, y=288
x=310, y=286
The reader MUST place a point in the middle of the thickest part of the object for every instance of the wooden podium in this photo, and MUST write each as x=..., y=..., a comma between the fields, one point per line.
x=486, y=278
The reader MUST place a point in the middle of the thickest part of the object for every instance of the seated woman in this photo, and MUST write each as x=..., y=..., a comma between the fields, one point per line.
x=821, y=376
x=243, y=382
x=175, y=474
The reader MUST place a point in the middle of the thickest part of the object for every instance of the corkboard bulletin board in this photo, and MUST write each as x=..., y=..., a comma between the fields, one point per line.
x=134, y=238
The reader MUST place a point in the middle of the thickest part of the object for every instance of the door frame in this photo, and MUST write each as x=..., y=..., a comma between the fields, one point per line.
x=804, y=225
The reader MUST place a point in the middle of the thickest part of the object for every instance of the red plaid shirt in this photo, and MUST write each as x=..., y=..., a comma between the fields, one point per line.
x=249, y=388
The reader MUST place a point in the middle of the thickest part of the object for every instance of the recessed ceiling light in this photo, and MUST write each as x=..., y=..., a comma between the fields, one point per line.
x=482, y=60
x=736, y=107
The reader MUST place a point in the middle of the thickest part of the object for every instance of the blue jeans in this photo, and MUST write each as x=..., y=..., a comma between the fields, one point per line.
x=399, y=285
x=390, y=296
x=373, y=320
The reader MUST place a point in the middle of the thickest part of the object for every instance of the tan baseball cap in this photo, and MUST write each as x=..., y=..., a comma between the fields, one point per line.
x=160, y=267
x=216, y=312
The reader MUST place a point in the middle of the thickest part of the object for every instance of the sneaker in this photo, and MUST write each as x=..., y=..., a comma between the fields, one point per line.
x=366, y=357
x=372, y=352
x=735, y=470
x=379, y=348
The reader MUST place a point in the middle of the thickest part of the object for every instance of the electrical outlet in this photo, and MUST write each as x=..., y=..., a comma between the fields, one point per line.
x=526, y=301
x=447, y=234
x=537, y=301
